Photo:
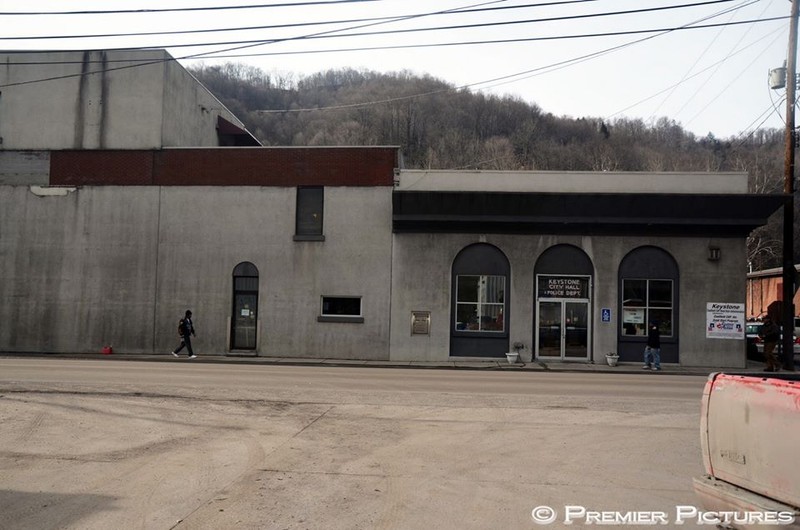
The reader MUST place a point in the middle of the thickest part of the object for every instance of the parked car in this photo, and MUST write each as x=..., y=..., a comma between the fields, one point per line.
x=760, y=345
x=755, y=344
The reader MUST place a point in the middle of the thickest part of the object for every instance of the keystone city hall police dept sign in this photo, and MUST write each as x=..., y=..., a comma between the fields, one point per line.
x=563, y=286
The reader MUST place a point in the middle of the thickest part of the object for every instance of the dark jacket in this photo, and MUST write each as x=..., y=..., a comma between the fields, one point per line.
x=654, y=337
x=185, y=326
x=770, y=332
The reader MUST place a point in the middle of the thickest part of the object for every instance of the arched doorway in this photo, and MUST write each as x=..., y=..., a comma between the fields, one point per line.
x=563, y=304
x=648, y=293
x=479, y=307
x=244, y=320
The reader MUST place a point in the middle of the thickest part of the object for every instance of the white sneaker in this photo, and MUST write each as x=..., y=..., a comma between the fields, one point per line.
x=174, y=354
x=193, y=356
x=646, y=367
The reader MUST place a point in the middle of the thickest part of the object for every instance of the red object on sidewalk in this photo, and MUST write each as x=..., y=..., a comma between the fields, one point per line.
x=107, y=350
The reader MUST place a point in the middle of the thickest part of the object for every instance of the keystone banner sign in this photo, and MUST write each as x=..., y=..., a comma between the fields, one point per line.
x=724, y=321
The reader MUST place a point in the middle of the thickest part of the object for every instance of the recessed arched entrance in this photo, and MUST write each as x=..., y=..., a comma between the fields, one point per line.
x=244, y=320
x=649, y=287
x=479, y=307
x=563, y=304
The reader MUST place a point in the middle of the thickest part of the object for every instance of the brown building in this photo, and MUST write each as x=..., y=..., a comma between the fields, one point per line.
x=764, y=288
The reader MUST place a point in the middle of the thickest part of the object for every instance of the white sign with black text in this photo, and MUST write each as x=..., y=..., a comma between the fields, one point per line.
x=724, y=320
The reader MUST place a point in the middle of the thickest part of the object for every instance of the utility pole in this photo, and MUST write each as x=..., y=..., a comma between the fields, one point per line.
x=787, y=308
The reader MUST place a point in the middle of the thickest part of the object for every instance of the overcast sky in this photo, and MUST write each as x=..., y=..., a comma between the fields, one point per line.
x=712, y=79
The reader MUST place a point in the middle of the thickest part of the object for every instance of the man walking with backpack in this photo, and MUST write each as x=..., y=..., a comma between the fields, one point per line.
x=186, y=331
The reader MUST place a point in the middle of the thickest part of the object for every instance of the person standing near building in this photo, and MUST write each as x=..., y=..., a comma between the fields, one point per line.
x=770, y=333
x=186, y=331
x=653, y=348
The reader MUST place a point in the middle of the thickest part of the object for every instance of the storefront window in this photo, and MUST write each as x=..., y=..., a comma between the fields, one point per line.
x=479, y=303
x=645, y=301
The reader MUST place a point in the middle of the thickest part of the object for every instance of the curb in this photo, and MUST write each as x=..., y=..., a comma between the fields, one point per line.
x=486, y=365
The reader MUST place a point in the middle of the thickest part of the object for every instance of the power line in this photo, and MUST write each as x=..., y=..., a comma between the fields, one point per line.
x=197, y=55
x=563, y=64
x=260, y=43
x=285, y=26
x=181, y=9
x=703, y=109
x=215, y=55
x=254, y=43
x=328, y=34
x=387, y=32
x=745, y=135
x=696, y=62
x=577, y=60
x=729, y=56
x=712, y=74
x=535, y=71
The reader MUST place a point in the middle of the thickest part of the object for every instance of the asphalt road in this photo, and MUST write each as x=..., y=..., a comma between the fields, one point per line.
x=96, y=444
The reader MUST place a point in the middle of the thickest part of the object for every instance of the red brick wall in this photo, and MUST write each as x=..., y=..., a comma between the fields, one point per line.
x=261, y=166
x=115, y=168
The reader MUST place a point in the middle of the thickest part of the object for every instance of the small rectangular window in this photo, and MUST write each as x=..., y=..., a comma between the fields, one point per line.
x=341, y=309
x=308, y=214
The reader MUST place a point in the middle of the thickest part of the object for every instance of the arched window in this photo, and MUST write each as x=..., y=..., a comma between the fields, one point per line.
x=647, y=281
x=245, y=270
x=648, y=293
x=479, y=315
x=564, y=259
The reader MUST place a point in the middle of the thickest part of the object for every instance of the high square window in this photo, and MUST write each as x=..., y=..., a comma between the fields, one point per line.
x=308, y=216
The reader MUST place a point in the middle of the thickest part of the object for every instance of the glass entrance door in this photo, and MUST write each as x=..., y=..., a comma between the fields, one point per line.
x=562, y=330
x=576, y=336
x=549, y=343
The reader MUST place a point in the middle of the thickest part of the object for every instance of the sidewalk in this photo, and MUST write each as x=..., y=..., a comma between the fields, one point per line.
x=480, y=364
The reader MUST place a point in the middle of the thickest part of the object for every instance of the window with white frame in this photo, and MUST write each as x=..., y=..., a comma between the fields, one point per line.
x=645, y=301
x=340, y=309
x=480, y=302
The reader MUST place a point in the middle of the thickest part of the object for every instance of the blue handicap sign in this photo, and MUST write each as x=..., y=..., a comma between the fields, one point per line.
x=605, y=314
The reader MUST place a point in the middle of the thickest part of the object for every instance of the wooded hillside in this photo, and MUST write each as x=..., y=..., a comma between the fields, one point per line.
x=439, y=126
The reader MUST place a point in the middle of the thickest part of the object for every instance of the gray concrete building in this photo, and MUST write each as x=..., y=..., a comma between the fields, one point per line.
x=117, y=99
x=119, y=219
x=339, y=253
x=570, y=265
x=273, y=253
